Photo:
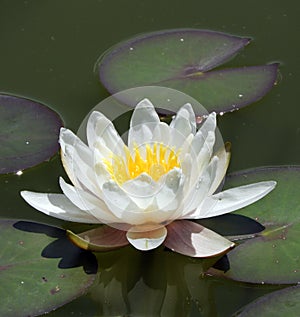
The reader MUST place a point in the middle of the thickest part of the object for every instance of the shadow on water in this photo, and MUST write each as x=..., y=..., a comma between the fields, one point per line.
x=71, y=256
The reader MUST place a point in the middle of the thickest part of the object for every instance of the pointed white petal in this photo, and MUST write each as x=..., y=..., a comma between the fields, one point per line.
x=185, y=121
x=143, y=121
x=161, y=133
x=101, y=129
x=170, y=195
x=58, y=206
x=68, y=140
x=144, y=113
x=234, y=199
x=189, y=238
x=87, y=202
x=203, y=142
x=147, y=240
x=77, y=159
x=201, y=189
x=224, y=157
x=208, y=125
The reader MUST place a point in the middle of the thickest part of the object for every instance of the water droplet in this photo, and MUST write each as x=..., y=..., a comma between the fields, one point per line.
x=221, y=113
x=181, y=40
x=241, y=96
x=262, y=282
x=27, y=142
x=19, y=173
x=131, y=48
x=295, y=271
x=22, y=282
x=276, y=261
x=273, y=245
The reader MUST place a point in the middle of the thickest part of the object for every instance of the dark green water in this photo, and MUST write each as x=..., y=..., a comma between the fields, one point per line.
x=48, y=51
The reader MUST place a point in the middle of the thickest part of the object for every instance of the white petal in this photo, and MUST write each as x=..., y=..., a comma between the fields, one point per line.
x=185, y=121
x=83, y=169
x=142, y=190
x=141, y=186
x=161, y=133
x=224, y=157
x=201, y=189
x=234, y=199
x=101, y=129
x=58, y=206
x=147, y=240
x=143, y=121
x=208, y=126
x=170, y=195
x=118, y=201
x=68, y=140
x=144, y=113
x=201, y=155
x=140, y=135
x=78, y=160
x=190, y=238
x=87, y=202
x=130, y=210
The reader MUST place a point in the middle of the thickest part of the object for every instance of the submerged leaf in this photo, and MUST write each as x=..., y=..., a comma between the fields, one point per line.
x=183, y=59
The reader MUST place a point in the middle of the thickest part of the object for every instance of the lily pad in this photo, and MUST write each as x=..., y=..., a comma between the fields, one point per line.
x=183, y=59
x=285, y=302
x=33, y=281
x=29, y=133
x=273, y=256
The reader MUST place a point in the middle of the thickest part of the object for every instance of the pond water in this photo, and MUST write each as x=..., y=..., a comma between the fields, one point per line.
x=48, y=53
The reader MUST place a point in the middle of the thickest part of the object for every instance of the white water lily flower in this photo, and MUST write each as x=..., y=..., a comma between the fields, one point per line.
x=151, y=189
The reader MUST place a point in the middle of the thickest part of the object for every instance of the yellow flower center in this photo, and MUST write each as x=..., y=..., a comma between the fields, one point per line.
x=155, y=160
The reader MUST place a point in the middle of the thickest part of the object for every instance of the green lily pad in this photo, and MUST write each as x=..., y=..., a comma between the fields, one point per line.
x=33, y=281
x=273, y=256
x=285, y=302
x=183, y=59
x=29, y=133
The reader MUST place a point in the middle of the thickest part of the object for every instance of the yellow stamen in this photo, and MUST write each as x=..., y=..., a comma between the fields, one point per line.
x=159, y=160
